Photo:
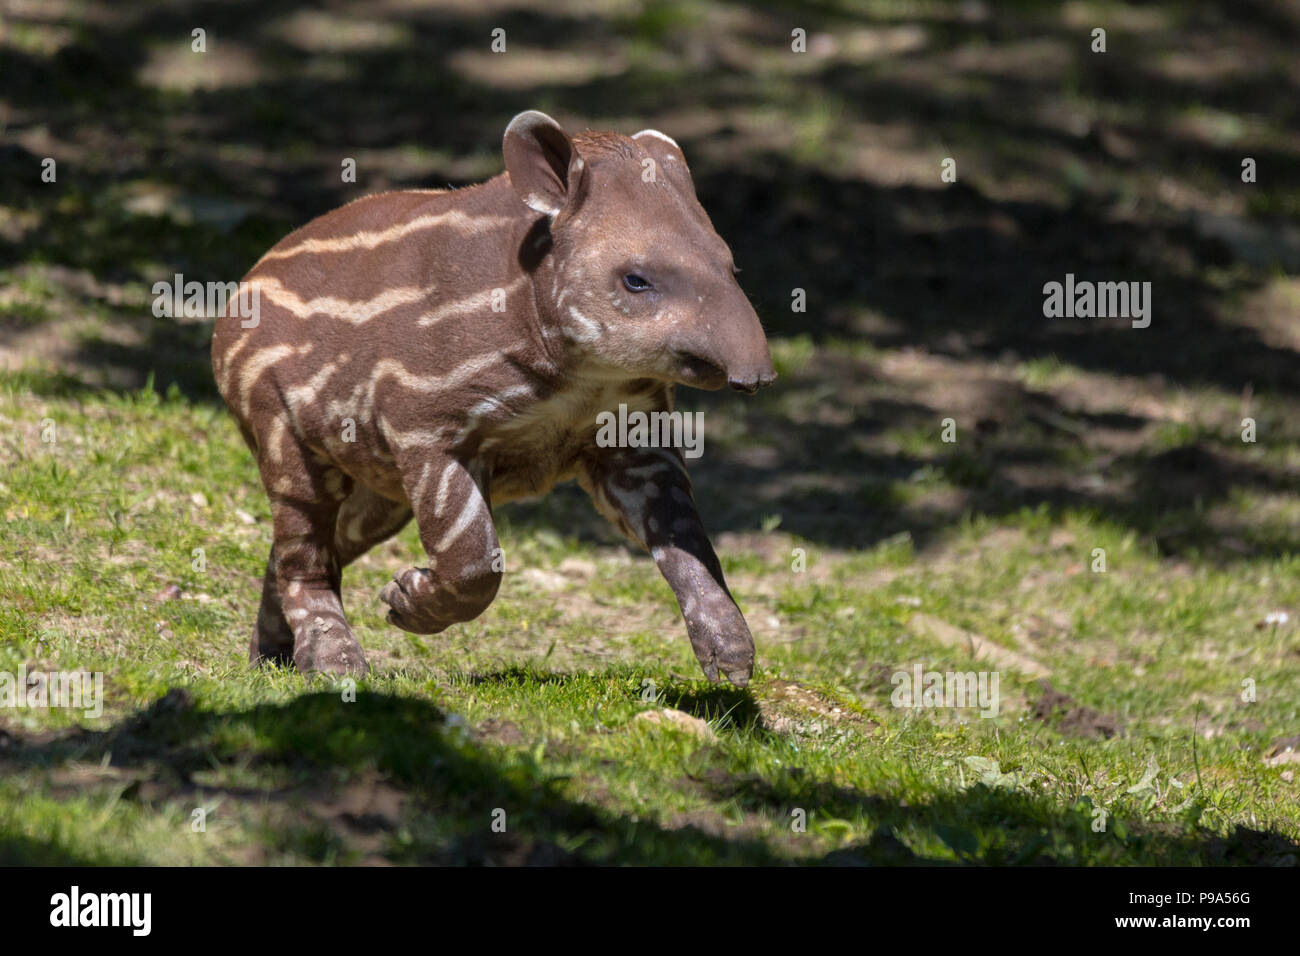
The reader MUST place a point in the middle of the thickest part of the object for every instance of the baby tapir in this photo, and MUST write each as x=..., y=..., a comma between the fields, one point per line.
x=430, y=353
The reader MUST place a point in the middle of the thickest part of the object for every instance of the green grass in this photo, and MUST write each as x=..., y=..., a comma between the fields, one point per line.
x=531, y=710
x=857, y=542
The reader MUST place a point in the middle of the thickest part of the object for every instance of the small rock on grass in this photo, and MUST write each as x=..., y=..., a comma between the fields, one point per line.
x=1283, y=751
x=680, y=720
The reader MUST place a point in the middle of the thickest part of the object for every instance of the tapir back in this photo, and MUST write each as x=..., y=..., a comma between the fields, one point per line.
x=379, y=323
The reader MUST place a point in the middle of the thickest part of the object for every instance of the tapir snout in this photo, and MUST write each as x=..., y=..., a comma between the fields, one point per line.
x=726, y=346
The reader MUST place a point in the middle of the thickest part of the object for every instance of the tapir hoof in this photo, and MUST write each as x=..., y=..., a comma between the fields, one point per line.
x=272, y=641
x=328, y=647
x=263, y=651
x=410, y=597
x=722, y=642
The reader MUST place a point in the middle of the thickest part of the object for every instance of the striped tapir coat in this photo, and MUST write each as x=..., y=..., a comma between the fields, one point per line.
x=428, y=353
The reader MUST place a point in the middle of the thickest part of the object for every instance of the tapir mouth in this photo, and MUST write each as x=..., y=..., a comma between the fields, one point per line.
x=699, y=372
x=750, y=385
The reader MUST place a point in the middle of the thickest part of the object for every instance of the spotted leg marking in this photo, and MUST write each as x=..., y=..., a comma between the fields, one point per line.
x=460, y=540
x=646, y=493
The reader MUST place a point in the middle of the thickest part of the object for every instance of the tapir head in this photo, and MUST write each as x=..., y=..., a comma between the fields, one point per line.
x=640, y=282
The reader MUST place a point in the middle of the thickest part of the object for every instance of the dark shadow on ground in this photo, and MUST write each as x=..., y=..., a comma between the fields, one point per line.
x=383, y=779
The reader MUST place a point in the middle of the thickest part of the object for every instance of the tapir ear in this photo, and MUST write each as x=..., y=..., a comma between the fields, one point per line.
x=663, y=149
x=657, y=143
x=544, y=167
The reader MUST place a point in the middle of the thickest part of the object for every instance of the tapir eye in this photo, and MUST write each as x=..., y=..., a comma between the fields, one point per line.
x=635, y=283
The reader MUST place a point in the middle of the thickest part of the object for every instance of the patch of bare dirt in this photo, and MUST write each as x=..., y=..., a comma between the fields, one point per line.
x=786, y=707
x=361, y=815
x=712, y=823
x=496, y=730
x=1245, y=846
x=506, y=849
x=1061, y=712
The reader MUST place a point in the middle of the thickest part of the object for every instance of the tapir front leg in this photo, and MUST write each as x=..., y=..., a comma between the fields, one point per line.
x=455, y=520
x=646, y=493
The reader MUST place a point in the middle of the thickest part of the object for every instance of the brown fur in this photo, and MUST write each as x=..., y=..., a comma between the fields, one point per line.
x=379, y=382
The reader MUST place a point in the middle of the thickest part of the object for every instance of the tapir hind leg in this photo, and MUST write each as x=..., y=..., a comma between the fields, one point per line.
x=460, y=540
x=306, y=495
x=272, y=635
x=364, y=520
